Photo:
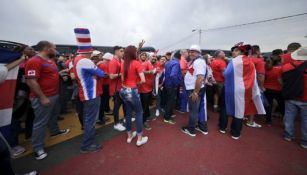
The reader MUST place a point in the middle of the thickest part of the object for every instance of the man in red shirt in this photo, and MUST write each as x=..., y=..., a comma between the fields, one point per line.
x=116, y=85
x=272, y=84
x=145, y=89
x=259, y=63
x=286, y=58
x=43, y=79
x=105, y=97
x=218, y=65
x=296, y=106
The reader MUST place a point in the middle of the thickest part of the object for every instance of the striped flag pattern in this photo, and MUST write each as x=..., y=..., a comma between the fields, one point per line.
x=242, y=94
x=83, y=40
x=7, y=88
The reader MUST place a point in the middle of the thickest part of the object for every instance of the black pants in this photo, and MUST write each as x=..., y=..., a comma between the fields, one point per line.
x=5, y=159
x=117, y=103
x=29, y=121
x=145, y=100
x=170, y=101
x=63, y=97
x=79, y=109
x=271, y=95
x=106, y=97
x=104, y=103
x=236, y=125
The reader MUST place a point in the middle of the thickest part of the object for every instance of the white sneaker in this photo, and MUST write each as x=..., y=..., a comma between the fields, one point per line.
x=173, y=116
x=17, y=150
x=222, y=131
x=41, y=154
x=132, y=119
x=132, y=137
x=157, y=113
x=304, y=146
x=253, y=125
x=32, y=173
x=142, y=142
x=119, y=127
x=235, y=138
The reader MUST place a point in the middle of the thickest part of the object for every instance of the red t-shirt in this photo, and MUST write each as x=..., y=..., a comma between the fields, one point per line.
x=105, y=68
x=183, y=64
x=46, y=74
x=148, y=85
x=115, y=68
x=288, y=67
x=132, y=78
x=218, y=66
x=159, y=67
x=286, y=58
x=259, y=65
x=272, y=78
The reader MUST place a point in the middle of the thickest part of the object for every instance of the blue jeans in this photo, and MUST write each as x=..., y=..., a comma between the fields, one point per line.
x=292, y=109
x=132, y=101
x=194, y=108
x=90, y=114
x=44, y=116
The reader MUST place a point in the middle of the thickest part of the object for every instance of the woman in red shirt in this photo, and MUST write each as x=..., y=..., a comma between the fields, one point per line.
x=133, y=75
x=145, y=89
x=273, y=86
x=218, y=65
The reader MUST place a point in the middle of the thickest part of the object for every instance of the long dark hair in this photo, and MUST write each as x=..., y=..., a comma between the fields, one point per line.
x=130, y=54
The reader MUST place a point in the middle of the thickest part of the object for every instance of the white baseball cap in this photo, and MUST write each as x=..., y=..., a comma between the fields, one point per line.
x=300, y=54
x=195, y=48
x=95, y=53
x=107, y=56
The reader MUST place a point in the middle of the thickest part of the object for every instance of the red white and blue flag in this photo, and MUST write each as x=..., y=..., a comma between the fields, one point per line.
x=242, y=94
x=7, y=88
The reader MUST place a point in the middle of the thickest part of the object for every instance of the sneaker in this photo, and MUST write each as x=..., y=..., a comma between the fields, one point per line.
x=31, y=173
x=132, y=119
x=222, y=131
x=181, y=112
x=215, y=108
x=119, y=127
x=109, y=112
x=157, y=113
x=170, y=121
x=61, y=132
x=132, y=137
x=147, y=126
x=142, y=142
x=203, y=131
x=91, y=149
x=253, y=125
x=288, y=139
x=235, y=138
x=187, y=131
x=100, y=122
x=173, y=116
x=39, y=155
x=304, y=146
x=17, y=150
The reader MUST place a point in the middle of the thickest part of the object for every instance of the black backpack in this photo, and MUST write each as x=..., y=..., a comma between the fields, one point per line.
x=293, y=82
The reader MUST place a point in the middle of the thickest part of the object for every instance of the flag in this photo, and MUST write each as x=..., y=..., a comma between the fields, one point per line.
x=7, y=88
x=242, y=94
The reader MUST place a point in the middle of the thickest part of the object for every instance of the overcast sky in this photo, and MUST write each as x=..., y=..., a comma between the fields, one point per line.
x=160, y=22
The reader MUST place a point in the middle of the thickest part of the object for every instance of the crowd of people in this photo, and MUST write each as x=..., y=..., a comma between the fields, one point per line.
x=245, y=85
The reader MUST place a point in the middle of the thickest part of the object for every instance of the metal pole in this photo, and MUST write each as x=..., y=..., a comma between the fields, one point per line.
x=199, y=40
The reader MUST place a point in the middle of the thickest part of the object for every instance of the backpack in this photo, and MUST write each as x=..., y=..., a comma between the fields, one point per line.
x=293, y=82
